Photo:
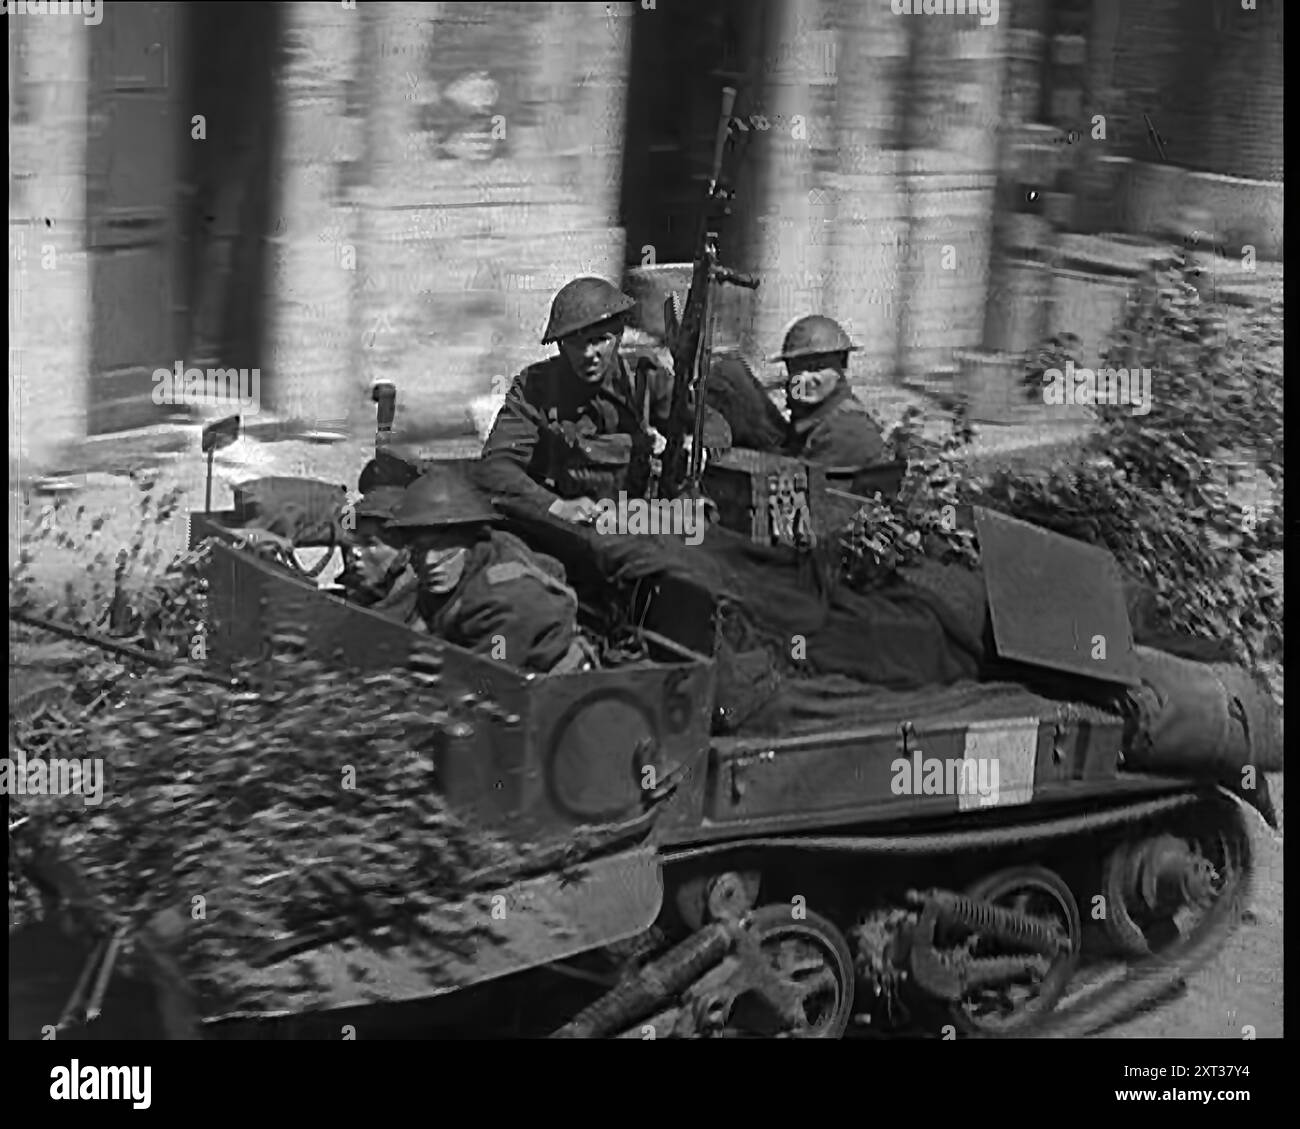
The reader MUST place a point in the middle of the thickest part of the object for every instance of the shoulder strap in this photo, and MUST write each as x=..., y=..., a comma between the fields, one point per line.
x=505, y=572
x=642, y=387
x=539, y=386
x=516, y=569
x=851, y=405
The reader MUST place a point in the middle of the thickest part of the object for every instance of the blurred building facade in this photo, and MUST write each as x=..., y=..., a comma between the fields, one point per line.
x=335, y=193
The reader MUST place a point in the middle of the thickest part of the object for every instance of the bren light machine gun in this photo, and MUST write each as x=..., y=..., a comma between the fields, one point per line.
x=690, y=334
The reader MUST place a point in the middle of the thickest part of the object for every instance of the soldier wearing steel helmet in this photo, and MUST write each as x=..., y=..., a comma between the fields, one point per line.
x=828, y=423
x=478, y=587
x=584, y=424
x=374, y=555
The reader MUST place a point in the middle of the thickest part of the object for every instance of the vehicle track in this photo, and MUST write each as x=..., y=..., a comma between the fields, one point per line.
x=1105, y=994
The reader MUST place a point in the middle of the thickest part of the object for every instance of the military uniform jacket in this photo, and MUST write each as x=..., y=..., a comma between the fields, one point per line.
x=511, y=604
x=556, y=437
x=837, y=432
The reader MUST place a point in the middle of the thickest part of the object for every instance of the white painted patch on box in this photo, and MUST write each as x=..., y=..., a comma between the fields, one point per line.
x=1012, y=745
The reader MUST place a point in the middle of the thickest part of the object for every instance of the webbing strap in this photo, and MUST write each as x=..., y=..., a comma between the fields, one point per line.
x=507, y=571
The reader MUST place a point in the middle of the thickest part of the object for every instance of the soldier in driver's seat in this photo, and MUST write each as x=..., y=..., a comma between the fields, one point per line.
x=445, y=570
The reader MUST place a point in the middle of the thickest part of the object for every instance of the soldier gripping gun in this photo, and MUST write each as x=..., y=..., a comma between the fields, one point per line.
x=690, y=335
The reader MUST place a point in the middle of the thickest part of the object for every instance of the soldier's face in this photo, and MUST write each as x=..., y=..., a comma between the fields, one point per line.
x=443, y=569
x=371, y=556
x=810, y=380
x=442, y=558
x=591, y=352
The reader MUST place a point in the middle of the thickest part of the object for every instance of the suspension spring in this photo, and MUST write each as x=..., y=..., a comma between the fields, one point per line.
x=658, y=981
x=1003, y=925
x=978, y=972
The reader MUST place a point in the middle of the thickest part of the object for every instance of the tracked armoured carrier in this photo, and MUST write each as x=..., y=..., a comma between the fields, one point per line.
x=844, y=880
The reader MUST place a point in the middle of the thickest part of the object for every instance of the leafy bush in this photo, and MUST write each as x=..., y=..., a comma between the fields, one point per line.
x=302, y=808
x=1053, y=354
x=154, y=606
x=1157, y=490
x=922, y=520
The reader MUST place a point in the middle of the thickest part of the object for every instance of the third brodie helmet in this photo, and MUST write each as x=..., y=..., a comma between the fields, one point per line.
x=814, y=336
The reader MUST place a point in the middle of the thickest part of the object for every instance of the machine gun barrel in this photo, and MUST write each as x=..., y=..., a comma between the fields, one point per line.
x=691, y=335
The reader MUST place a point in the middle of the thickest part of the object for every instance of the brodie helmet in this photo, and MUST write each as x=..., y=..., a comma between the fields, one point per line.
x=371, y=513
x=582, y=303
x=443, y=495
x=380, y=503
x=814, y=336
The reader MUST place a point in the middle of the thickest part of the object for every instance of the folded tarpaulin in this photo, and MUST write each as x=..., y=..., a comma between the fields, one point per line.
x=903, y=635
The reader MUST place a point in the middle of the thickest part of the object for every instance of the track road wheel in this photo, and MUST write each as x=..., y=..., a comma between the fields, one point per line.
x=1159, y=888
x=811, y=955
x=1016, y=1005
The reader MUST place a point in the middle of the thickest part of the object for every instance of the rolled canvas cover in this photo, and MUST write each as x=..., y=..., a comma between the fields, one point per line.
x=1204, y=718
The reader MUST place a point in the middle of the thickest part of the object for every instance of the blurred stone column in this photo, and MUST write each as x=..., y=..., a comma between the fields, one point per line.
x=1243, y=124
x=796, y=211
x=495, y=138
x=1102, y=166
x=1069, y=113
x=312, y=352
x=952, y=133
x=1019, y=282
x=870, y=226
x=49, y=282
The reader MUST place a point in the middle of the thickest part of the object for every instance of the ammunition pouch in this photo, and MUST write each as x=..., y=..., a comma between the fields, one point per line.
x=595, y=466
x=607, y=453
